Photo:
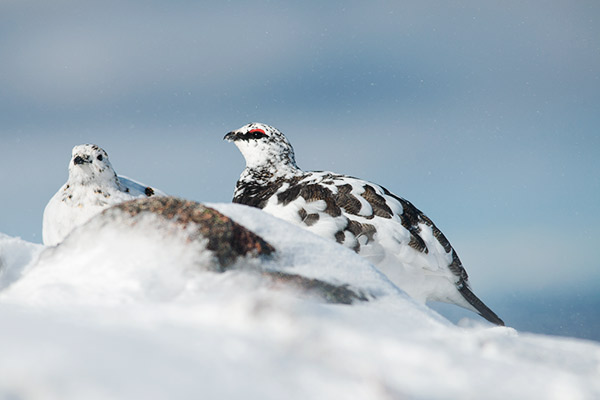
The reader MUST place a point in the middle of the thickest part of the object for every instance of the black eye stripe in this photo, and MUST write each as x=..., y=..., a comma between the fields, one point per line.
x=254, y=134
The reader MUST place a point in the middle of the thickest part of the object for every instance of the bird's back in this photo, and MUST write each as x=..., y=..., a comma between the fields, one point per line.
x=366, y=217
x=137, y=189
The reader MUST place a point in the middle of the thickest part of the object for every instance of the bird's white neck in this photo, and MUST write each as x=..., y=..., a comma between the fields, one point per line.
x=106, y=178
x=260, y=155
x=270, y=172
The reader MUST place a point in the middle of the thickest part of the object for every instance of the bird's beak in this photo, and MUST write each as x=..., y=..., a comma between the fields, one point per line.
x=79, y=160
x=231, y=136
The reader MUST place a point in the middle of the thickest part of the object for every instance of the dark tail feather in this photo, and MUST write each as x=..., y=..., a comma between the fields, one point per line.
x=481, y=308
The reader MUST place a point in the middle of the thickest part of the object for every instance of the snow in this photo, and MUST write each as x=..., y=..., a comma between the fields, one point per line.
x=120, y=314
x=15, y=255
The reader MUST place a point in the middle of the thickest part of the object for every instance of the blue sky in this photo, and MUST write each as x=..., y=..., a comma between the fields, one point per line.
x=485, y=116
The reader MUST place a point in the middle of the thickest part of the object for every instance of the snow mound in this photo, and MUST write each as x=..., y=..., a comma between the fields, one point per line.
x=117, y=313
x=15, y=255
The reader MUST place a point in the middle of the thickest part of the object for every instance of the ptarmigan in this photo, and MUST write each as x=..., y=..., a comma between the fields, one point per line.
x=92, y=186
x=386, y=229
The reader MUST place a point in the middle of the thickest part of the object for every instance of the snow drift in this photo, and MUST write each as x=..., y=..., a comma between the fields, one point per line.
x=117, y=313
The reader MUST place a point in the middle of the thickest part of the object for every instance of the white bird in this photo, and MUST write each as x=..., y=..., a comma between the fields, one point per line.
x=385, y=228
x=92, y=186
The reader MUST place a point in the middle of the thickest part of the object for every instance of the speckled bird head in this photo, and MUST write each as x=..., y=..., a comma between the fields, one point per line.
x=89, y=163
x=263, y=146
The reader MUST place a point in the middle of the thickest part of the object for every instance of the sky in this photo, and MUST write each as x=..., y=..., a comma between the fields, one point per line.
x=485, y=116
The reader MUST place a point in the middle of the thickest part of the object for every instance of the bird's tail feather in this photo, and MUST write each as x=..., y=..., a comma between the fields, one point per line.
x=481, y=308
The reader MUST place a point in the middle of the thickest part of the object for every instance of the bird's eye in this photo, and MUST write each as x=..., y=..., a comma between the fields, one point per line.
x=257, y=133
x=99, y=158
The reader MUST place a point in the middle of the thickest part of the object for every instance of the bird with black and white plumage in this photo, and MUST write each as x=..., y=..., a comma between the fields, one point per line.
x=379, y=225
x=92, y=186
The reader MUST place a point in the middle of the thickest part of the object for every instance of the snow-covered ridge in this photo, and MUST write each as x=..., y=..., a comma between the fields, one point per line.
x=126, y=315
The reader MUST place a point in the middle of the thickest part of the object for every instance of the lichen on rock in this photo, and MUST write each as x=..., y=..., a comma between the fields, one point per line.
x=227, y=239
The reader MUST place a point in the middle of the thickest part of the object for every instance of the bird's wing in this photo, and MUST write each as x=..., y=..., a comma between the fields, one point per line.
x=138, y=189
x=378, y=217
